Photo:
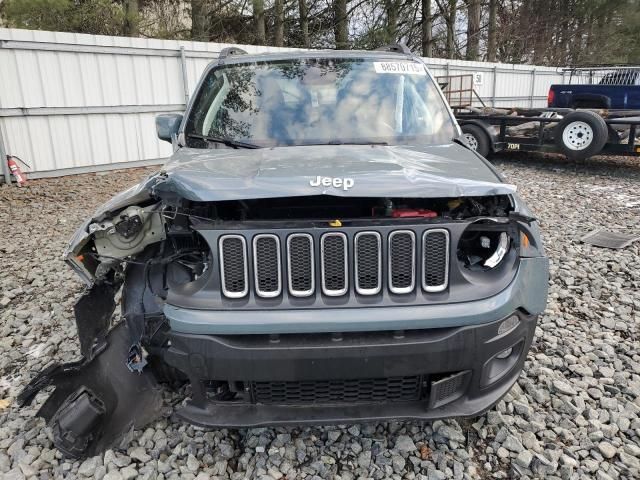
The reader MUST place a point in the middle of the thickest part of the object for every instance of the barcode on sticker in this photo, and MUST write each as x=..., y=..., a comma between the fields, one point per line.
x=410, y=68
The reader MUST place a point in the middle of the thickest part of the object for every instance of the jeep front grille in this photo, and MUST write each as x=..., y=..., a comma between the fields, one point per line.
x=363, y=262
x=402, y=261
x=300, y=264
x=267, y=266
x=233, y=266
x=333, y=264
x=368, y=263
x=435, y=267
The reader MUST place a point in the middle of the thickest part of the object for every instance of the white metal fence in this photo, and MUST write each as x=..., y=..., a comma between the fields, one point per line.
x=503, y=84
x=73, y=102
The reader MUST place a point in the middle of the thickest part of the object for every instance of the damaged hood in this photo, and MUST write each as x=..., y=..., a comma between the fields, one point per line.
x=436, y=171
x=371, y=170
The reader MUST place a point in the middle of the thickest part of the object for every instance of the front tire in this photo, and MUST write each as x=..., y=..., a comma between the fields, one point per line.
x=476, y=138
x=581, y=135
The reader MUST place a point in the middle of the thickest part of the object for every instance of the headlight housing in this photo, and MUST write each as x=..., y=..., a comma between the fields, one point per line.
x=483, y=246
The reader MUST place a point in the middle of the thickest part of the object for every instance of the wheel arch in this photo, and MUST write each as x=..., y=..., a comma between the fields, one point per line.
x=590, y=100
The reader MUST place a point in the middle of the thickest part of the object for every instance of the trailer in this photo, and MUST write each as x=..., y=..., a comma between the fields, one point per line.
x=576, y=133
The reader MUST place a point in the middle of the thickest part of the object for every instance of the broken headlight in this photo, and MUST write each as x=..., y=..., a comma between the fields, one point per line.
x=481, y=249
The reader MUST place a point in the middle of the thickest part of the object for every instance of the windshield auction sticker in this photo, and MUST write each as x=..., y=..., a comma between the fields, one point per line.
x=410, y=68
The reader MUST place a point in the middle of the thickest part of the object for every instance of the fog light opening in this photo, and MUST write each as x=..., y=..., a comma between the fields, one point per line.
x=501, y=364
x=508, y=325
x=505, y=353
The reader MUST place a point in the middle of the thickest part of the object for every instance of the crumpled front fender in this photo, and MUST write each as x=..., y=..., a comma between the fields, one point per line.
x=137, y=194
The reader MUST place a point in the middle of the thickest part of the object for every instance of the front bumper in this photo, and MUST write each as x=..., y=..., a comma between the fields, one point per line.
x=449, y=350
x=255, y=368
x=456, y=369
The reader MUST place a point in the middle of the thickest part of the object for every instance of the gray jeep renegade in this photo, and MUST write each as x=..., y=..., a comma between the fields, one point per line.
x=320, y=248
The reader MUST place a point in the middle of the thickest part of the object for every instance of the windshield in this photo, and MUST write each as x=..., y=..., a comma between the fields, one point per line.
x=318, y=101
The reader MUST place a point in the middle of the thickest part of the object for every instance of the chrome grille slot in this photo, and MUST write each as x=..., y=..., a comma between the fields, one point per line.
x=267, y=265
x=402, y=261
x=300, y=264
x=233, y=266
x=368, y=263
x=435, y=260
x=333, y=264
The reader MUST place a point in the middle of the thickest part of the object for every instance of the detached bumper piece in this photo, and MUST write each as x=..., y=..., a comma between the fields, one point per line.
x=258, y=380
x=96, y=402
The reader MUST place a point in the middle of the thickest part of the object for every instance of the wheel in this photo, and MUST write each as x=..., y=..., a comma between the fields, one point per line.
x=476, y=138
x=581, y=135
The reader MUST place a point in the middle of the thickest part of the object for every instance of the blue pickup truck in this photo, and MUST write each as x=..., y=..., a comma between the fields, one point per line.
x=611, y=88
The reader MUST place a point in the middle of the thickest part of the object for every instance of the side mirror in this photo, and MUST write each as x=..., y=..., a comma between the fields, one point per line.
x=167, y=126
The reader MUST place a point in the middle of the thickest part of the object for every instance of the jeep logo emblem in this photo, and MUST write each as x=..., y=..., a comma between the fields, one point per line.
x=335, y=182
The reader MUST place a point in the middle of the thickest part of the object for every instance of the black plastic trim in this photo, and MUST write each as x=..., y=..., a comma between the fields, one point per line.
x=434, y=354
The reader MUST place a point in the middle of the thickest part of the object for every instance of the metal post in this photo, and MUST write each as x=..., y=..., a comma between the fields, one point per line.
x=533, y=86
x=493, y=88
x=185, y=79
x=6, y=173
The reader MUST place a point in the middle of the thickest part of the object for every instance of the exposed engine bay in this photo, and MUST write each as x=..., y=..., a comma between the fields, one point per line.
x=119, y=236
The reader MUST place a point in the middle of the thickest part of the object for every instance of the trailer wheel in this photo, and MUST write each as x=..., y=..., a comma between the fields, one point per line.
x=476, y=138
x=581, y=135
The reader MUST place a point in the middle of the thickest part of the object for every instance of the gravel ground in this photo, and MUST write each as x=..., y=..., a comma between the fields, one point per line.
x=574, y=413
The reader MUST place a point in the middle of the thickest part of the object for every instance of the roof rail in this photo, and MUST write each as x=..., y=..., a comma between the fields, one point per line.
x=229, y=51
x=396, y=48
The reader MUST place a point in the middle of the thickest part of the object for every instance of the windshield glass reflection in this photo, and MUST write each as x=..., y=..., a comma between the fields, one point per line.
x=318, y=101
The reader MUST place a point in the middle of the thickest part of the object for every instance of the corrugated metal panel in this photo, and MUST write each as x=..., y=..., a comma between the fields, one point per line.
x=125, y=82
x=512, y=85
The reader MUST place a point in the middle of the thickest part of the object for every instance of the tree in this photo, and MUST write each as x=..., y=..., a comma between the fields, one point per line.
x=391, y=10
x=199, y=23
x=427, y=34
x=473, y=29
x=341, y=25
x=545, y=32
x=279, y=23
x=258, y=18
x=131, y=11
x=491, y=35
x=304, y=23
x=451, y=29
x=101, y=17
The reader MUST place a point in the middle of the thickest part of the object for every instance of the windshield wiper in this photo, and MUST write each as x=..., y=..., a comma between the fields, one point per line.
x=225, y=141
x=348, y=142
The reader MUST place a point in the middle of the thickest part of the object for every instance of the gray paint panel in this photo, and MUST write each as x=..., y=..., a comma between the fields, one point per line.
x=527, y=291
x=433, y=171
